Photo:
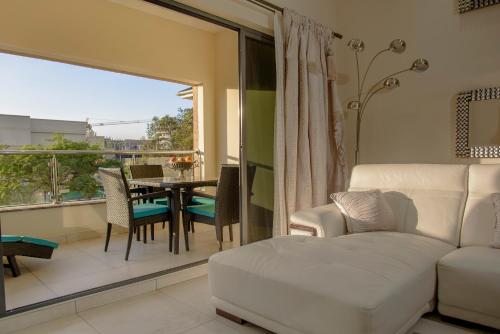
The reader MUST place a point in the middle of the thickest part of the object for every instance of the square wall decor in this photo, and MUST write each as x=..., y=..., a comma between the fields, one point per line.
x=468, y=5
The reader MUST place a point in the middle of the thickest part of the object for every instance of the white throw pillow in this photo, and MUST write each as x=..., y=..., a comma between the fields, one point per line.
x=496, y=233
x=365, y=211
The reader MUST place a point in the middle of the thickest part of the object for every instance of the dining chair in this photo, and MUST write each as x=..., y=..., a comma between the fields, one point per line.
x=144, y=172
x=121, y=209
x=223, y=211
x=198, y=197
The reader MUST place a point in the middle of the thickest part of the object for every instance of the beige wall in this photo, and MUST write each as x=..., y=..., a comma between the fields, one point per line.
x=227, y=97
x=416, y=122
x=60, y=224
x=108, y=35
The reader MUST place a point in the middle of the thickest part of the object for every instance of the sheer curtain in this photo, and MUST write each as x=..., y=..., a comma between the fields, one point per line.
x=309, y=151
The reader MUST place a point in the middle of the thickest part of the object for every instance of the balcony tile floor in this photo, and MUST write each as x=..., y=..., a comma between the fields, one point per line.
x=182, y=308
x=82, y=265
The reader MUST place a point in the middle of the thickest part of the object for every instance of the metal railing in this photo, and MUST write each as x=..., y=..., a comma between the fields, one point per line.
x=124, y=157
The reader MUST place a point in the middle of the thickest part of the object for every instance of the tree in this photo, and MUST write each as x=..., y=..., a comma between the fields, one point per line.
x=24, y=178
x=172, y=133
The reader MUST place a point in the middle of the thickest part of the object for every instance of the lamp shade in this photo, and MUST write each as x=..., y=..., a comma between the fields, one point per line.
x=391, y=83
x=356, y=45
x=397, y=46
x=420, y=65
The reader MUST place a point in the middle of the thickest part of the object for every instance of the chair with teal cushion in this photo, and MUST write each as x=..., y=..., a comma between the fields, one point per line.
x=18, y=245
x=225, y=211
x=121, y=210
x=145, y=172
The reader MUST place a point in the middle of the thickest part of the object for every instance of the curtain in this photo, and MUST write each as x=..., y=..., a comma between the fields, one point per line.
x=309, y=150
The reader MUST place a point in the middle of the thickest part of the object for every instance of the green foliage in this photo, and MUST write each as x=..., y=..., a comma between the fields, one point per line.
x=27, y=179
x=172, y=133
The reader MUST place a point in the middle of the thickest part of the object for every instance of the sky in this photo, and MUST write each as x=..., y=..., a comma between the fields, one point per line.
x=52, y=90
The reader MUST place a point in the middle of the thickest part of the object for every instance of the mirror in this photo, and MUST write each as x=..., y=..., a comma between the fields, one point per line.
x=478, y=123
x=484, y=123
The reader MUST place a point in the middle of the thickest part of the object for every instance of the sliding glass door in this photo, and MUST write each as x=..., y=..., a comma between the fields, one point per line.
x=258, y=93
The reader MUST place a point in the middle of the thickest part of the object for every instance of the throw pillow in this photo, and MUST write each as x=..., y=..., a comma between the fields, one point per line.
x=365, y=211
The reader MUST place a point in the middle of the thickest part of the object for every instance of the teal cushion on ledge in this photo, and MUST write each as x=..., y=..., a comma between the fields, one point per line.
x=162, y=201
x=149, y=209
x=207, y=210
x=29, y=240
x=202, y=200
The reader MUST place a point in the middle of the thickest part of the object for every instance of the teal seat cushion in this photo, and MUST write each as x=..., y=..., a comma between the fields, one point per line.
x=29, y=240
x=202, y=200
x=207, y=210
x=11, y=238
x=149, y=209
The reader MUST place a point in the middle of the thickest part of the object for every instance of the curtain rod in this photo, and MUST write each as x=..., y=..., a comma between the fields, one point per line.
x=272, y=7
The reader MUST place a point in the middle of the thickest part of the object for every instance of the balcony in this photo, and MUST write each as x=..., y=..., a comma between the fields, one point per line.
x=56, y=208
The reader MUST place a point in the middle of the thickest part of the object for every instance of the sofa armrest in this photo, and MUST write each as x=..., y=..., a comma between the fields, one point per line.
x=323, y=221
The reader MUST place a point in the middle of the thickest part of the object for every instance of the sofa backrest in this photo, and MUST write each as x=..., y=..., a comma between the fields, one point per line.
x=428, y=200
x=479, y=216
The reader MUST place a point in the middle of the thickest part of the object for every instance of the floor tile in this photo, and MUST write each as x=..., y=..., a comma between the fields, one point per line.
x=25, y=289
x=425, y=326
x=152, y=313
x=67, y=325
x=194, y=292
x=36, y=317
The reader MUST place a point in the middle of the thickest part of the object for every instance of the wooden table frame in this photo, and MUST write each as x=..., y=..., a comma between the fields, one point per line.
x=176, y=185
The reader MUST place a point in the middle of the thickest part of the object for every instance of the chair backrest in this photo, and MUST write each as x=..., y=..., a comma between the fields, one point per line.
x=479, y=218
x=146, y=171
x=118, y=206
x=427, y=200
x=227, y=203
x=251, y=170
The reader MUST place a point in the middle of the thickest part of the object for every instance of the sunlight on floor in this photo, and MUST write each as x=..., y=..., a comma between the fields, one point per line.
x=83, y=265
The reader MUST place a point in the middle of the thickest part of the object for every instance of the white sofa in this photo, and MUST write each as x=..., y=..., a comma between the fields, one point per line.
x=376, y=282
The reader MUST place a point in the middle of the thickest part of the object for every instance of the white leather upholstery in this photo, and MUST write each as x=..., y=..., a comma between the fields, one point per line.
x=361, y=283
x=469, y=285
x=479, y=217
x=427, y=200
x=327, y=220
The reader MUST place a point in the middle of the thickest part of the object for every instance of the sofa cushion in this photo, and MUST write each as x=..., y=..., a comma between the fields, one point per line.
x=428, y=200
x=359, y=283
x=469, y=278
x=479, y=217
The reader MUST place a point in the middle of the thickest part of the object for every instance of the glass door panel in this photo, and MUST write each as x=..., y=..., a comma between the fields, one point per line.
x=258, y=83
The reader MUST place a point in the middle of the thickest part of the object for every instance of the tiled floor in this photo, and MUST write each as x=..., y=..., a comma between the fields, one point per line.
x=182, y=308
x=84, y=264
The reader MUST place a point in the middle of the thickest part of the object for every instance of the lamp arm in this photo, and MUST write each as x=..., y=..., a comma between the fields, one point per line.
x=357, y=72
x=367, y=99
x=370, y=65
x=382, y=80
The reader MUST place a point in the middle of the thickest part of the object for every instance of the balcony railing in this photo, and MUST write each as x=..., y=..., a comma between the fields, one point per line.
x=29, y=177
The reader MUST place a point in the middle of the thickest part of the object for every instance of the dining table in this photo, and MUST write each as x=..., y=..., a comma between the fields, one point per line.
x=176, y=184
